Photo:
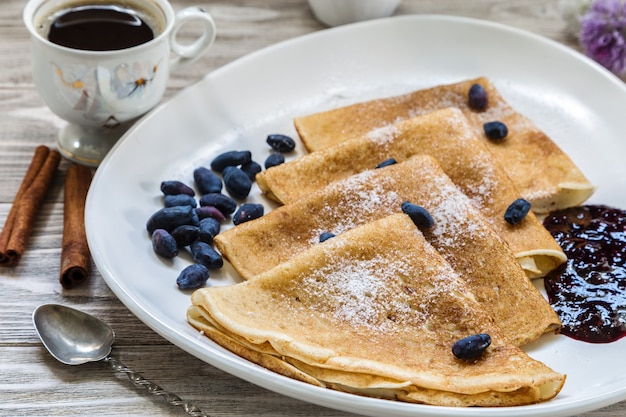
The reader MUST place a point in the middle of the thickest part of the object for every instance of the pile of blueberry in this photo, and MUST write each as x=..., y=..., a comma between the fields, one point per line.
x=189, y=222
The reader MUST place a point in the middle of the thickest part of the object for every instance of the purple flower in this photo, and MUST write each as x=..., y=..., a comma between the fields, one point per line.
x=603, y=34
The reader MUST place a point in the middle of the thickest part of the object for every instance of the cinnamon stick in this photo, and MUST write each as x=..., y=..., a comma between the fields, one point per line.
x=75, y=256
x=21, y=218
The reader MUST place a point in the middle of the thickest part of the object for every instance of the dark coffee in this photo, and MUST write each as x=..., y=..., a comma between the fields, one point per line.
x=99, y=28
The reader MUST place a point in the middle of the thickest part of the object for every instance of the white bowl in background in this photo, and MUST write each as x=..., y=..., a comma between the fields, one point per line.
x=340, y=12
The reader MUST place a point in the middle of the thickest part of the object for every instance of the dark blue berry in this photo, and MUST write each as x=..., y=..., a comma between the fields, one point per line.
x=477, y=97
x=174, y=187
x=230, y=159
x=164, y=244
x=420, y=216
x=206, y=181
x=471, y=347
x=205, y=255
x=495, y=130
x=516, y=212
x=179, y=200
x=324, y=236
x=195, y=220
x=247, y=212
x=386, y=163
x=210, y=211
x=222, y=202
x=185, y=235
x=274, y=159
x=208, y=229
x=251, y=169
x=281, y=143
x=192, y=277
x=169, y=218
x=237, y=182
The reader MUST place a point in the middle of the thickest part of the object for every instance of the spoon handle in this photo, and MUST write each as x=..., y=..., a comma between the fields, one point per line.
x=154, y=389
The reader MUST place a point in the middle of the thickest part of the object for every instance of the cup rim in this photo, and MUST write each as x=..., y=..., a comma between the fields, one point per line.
x=32, y=6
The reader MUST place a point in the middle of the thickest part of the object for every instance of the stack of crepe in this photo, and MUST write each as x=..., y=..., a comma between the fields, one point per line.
x=446, y=135
x=459, y=233
x=373, y=311
x=376, y=309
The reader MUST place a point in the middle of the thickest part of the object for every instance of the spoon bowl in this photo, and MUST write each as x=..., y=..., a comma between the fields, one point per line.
x=71, y=336
x=74, y=337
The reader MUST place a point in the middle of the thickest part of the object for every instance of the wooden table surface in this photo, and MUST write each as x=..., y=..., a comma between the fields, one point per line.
x=32, y=383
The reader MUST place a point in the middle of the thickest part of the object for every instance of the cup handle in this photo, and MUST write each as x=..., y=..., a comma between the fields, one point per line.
x=186, y=54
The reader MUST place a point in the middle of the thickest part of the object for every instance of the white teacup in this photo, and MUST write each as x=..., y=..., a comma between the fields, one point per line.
x=101, y=93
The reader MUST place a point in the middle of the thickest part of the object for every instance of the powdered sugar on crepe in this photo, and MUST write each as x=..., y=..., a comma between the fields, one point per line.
x=453, y=227
x=384, y=135
x=377, y=293
x=363, y=197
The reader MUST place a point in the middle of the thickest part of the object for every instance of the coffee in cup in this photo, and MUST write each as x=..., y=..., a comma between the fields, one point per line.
x=101, y=64
x=104, y=27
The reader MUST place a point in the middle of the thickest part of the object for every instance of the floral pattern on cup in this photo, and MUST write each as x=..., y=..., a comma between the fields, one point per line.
x=108, y=96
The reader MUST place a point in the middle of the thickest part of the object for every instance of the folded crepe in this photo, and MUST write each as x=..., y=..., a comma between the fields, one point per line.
x=542, y=172
x=460, y=233
x=446, y=135
x=373, y=311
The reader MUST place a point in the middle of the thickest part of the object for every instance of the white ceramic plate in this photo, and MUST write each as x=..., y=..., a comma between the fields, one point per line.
x=576, y=102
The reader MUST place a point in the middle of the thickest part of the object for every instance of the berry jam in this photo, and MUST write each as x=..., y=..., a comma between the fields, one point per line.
x=588, y=292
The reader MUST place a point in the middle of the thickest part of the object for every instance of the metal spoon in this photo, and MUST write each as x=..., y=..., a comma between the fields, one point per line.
x=74, y=337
